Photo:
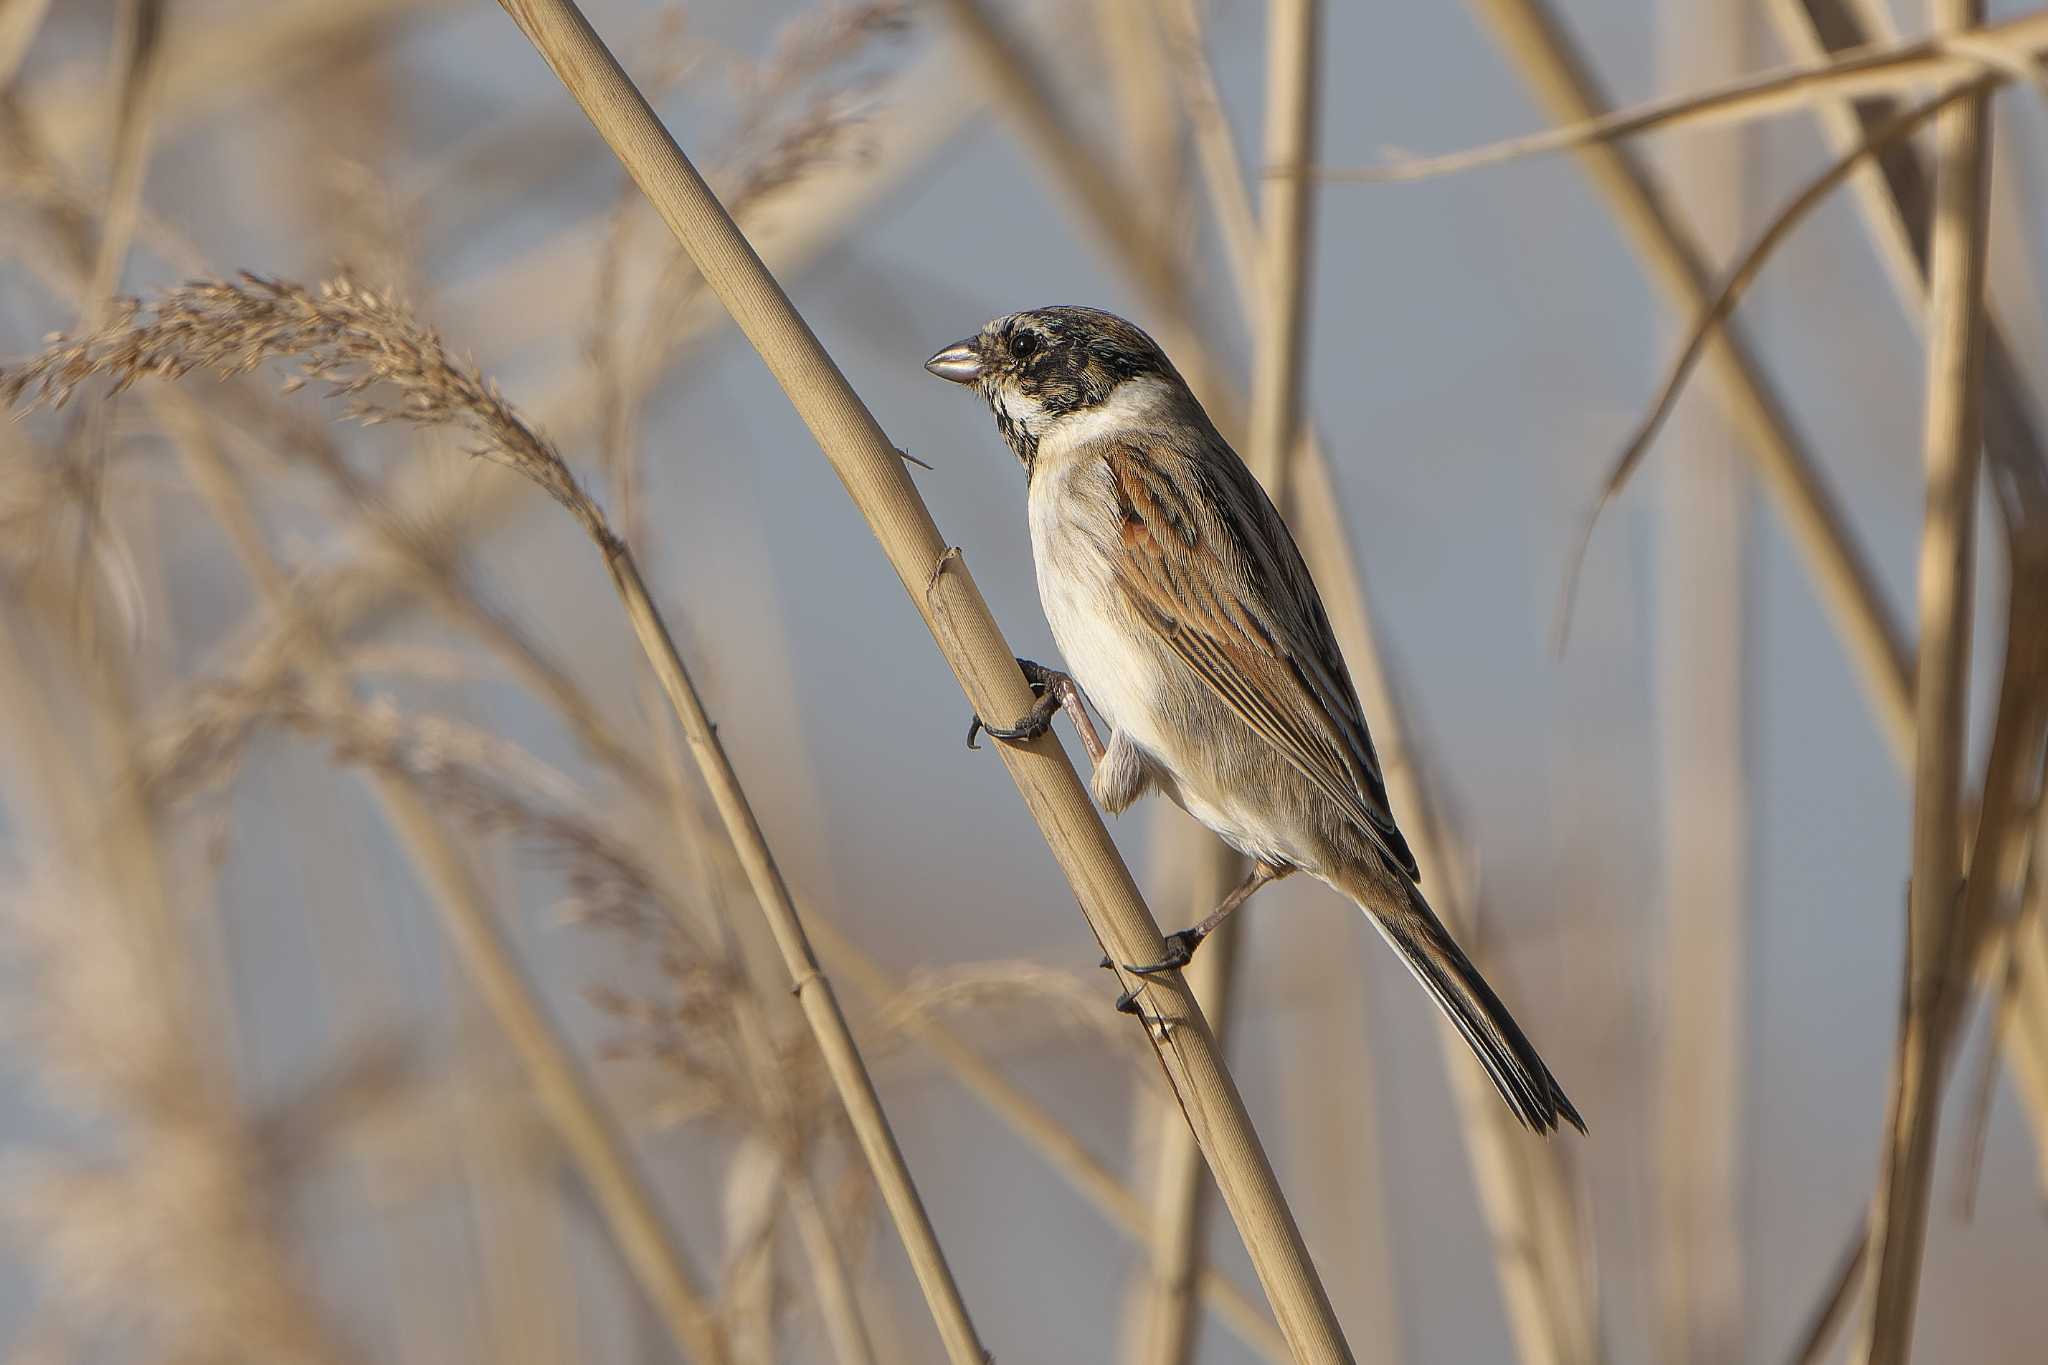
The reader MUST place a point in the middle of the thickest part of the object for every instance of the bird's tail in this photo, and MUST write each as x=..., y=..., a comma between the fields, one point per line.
x=1405, y=920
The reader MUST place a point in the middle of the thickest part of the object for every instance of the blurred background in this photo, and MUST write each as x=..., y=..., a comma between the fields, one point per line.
x=260, y=668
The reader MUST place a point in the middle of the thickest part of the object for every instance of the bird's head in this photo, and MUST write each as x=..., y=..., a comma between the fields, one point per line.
x=1050, y=368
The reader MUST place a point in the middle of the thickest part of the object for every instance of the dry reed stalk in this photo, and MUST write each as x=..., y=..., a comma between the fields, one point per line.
x=437, y=580
x=1969, y=947
x=597, y=1146
x=748, y=1285
x=813, y=988
x=2023, y=1016
x=1215, y=149
x=1161, y=1322
x=1045, y=1134
x=347, y=950
x=1089, y=181
x=435, y=762
x=1995, y=52
x=1728, y=292
x=2003, y=860
x=1174, y=1243
x=1700, y=614
x=1286, y=225
x=1536, y=41
x=461, y=502
x=1542, y=1255
x=20, y=20
x=1893, y=195
x=524, y=1262
x=1155, y=153
x=217, y=326
x=89, y=271
x=915, y=113
x=210, y=62
x=1532, y=37
x=1523, y=1189
x=1166, y=1324
x=939, y=583
x=176, y=1231
x=1278, y=380
x=779, y=1127
x=1956, y=264
x=1894, y=198
x=140, y=31
x=353, y=340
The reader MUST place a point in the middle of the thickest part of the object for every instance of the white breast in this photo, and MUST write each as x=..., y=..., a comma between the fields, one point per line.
x=1074, y=537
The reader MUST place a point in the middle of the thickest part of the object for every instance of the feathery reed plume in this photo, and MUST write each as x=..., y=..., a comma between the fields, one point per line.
x=346, y=336
x=355, y=341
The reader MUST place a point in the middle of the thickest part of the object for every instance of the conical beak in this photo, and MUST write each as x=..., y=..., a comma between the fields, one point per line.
x=960, y=362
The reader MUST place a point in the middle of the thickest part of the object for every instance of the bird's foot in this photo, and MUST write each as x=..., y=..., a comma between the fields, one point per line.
x=1180, y=950
x=1053, y=690
x=1158, y=1025
x=1127, y=1003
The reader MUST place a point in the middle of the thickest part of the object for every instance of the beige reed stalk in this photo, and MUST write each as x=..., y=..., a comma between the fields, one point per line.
x=1893, y=194
x=1700, y=610
x=1898, y=1219
x=1894, y=198
x=19, y=21
x=1190, y=866
x=1535, y=40
x=462, y=501
x=669, y=1284
x=584, y=1124
x=814, y=991
x=1292, y=88
x=1046, y=1135
x=1997, y=52
x=209, y=62
x=1286, y=228
x=1162, y=1323
x=940, y=585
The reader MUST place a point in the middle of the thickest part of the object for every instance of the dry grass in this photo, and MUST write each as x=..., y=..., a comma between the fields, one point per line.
x=580, y=1114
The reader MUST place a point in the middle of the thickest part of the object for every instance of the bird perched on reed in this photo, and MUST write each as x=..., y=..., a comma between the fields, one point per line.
x=1189, y=620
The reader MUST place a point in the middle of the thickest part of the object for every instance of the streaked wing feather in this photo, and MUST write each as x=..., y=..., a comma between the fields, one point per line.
x=1232, y=597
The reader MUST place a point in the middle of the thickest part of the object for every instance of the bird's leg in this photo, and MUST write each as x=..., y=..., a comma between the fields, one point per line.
x=1180, y=946
x=1055, y=690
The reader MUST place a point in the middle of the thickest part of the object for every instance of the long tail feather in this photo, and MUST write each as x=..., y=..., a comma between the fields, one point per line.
x=1405, y=920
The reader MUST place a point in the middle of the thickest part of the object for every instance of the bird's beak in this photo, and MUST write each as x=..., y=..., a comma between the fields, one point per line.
x=960, y=362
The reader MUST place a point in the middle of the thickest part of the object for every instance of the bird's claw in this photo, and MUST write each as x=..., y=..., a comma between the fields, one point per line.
x=1158, y=1025
x=1180, y=951
x=1036, y=721
x=1127, y=1003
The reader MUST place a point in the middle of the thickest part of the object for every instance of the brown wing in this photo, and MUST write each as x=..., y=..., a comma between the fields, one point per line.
x=1210, y=565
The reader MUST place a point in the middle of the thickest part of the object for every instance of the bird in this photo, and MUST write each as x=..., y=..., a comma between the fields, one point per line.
x=1187, y=618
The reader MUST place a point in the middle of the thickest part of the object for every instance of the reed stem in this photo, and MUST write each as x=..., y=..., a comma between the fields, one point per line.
x=942, y=588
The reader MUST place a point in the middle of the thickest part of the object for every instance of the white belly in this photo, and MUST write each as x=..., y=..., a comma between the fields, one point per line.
x=1124, y=668
x=1110, y=653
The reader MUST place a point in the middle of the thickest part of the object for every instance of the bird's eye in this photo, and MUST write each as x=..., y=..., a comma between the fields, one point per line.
x=1023, y=345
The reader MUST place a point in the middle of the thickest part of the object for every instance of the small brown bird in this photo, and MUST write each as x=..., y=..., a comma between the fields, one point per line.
x=1185, y=611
